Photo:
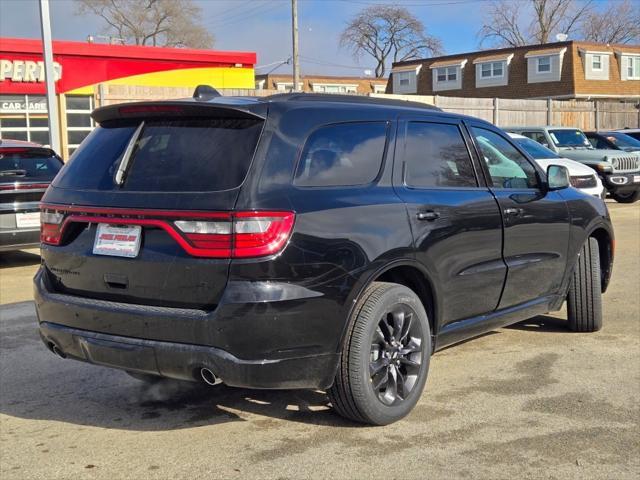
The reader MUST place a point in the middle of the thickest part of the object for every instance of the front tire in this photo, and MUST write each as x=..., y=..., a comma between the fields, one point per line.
x=385, y=359
x=584, y=300
x=628, y=197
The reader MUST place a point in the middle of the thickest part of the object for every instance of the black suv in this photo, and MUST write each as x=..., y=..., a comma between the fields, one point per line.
x=26, y=170
x=307, y=241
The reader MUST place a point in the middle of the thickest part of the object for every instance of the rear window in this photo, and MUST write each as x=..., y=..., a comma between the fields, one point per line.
x=180, y=155
x=23, y=166
x=342, y=154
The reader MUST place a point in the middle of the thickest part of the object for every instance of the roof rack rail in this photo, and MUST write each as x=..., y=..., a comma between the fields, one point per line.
x=205, y=92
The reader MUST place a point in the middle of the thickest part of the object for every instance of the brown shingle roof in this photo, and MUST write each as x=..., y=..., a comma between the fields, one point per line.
x=545, y=51
x=447, y=63
x=493, y=58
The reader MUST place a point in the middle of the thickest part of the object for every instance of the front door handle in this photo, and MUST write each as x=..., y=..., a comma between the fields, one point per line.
x=429, y=216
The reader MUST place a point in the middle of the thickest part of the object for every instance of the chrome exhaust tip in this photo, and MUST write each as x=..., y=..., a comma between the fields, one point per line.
x=57, y=351
x=209, y=377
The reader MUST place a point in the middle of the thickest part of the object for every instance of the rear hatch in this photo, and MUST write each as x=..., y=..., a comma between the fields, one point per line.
x=141, y=213
x=25, y=174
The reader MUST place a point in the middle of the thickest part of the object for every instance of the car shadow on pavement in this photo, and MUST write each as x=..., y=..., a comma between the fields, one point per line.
x=542, y=323
x=37, y=385
x=19, y=258
x=169, y=405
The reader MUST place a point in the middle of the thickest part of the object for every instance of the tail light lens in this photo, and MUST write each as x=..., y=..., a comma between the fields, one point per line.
x=261, y=233
x=210, y=235
x=247, y=234
x=51, y=227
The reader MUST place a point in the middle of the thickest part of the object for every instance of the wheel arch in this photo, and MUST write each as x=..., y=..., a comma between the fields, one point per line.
x=412, y=275
x=606, y=249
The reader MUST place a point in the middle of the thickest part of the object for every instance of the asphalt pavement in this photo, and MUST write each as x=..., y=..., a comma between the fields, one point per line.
x=529, y=401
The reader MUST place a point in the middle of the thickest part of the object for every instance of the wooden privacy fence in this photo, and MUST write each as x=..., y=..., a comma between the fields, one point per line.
x=584, y=114
x=111, y=94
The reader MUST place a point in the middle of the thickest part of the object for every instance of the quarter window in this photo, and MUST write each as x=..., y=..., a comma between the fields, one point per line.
x=437, y=156
x=342, y=154
x=507, y=167
x=544, y=64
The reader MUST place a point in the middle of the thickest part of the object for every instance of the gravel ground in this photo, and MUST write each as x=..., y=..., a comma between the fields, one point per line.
x=529, y=401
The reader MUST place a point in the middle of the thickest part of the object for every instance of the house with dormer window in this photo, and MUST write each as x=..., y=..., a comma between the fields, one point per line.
x=560, y=70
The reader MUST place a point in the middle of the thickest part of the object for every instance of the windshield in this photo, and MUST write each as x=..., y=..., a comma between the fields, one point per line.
x=621, y=140
x=569, y=138
x=534, y=149
x=172, y=155
x=25, y=166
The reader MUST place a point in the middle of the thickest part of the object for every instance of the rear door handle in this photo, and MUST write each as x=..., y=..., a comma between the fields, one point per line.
x=429, y=216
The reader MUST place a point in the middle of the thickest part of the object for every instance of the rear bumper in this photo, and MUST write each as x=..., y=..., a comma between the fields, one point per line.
x=183, y=362
x=71, y=322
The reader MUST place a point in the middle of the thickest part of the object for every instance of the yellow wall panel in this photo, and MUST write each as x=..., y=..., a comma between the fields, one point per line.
x=218, y=77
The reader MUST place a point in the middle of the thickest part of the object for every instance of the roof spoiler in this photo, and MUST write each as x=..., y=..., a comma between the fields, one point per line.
x=178, y=109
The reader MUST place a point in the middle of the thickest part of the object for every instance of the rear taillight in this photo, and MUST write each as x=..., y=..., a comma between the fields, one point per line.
x=244, y=235
x=261, y=233
x=200, y=234
x=51, y=227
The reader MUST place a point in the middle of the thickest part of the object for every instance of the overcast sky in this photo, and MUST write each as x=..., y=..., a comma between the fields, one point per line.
x=264, y=26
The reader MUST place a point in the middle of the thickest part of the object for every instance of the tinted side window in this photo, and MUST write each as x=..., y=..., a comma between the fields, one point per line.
x=342, y=154
x=436, y=156
x=537, y=136
x=508, y=167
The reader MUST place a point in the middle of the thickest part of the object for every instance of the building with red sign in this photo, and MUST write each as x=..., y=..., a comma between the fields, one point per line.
x=81, y=67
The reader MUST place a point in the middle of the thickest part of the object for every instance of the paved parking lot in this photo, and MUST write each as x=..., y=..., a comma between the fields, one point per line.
x=529, y=401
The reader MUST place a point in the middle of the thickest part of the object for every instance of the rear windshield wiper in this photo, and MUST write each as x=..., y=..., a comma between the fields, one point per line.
x=14, y=173
x=126, y=157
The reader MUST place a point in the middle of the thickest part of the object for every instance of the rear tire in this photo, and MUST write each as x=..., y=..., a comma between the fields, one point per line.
x=385, y=358
x=584, y=300
x=629, y=197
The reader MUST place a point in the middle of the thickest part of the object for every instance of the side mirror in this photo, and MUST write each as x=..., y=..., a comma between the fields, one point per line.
x=557, y=177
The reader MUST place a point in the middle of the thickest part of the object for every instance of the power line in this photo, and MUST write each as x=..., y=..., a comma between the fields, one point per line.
x=259, y=10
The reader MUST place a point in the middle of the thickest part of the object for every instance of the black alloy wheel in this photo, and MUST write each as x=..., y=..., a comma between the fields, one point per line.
x=396, y=355
x=384, y=362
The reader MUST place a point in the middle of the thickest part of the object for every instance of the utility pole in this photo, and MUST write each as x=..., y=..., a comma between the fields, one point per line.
x=294, y=28
x=52, y=106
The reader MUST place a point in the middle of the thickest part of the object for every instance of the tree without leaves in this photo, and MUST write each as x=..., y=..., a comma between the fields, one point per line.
x=388, y=33
x=619, y=24
x=504, y=27
x=167, y=23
